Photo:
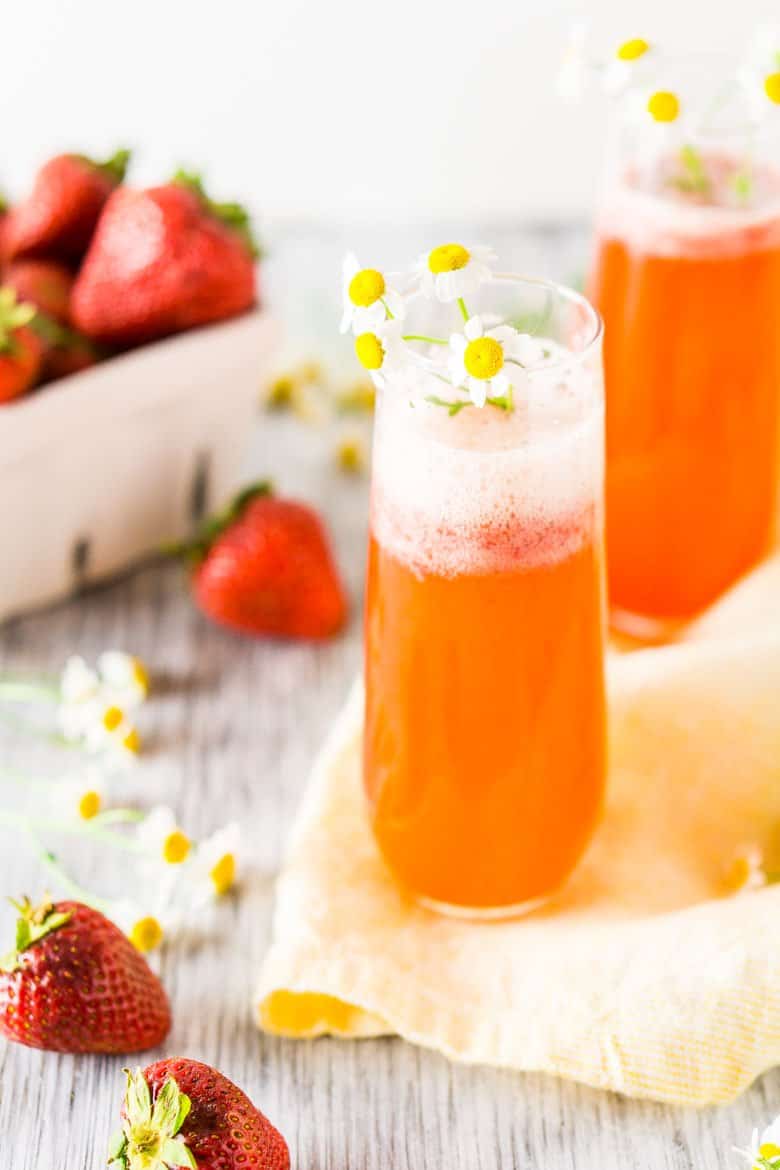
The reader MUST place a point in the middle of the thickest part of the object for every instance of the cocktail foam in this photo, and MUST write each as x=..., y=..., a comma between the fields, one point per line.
x=668, y=223
x=485, y=490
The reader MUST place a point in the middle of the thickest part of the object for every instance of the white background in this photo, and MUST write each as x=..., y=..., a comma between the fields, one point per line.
x=404, y=110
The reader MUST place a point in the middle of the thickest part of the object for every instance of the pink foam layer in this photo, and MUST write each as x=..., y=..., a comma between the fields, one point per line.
x=661, y=226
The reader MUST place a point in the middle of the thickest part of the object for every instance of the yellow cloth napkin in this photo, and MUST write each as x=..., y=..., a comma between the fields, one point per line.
x=642, y=976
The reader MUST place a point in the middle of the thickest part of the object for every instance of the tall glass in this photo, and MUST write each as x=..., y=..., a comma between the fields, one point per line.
x=687, y=278
x=484, y=632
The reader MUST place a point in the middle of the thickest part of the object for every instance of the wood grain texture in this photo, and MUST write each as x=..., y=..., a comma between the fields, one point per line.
x=232, y=735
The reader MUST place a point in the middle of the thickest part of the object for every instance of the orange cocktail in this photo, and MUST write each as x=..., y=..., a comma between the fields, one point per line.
x=485, y=714
x=690, y=295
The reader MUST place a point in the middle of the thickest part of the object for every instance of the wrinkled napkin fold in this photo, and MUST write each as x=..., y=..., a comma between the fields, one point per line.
x=641, y=976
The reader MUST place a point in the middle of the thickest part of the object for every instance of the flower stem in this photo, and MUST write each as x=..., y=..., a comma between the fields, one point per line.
x=25, y=690
x=390, y=314
x=50, y=862
x=463, y=310
x=422, y=337
x=92, y=828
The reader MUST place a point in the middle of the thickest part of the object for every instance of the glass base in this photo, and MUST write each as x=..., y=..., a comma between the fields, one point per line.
x=650, y=631
x=483, y=913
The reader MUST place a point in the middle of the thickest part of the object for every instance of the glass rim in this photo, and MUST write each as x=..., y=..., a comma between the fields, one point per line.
x=564, y=293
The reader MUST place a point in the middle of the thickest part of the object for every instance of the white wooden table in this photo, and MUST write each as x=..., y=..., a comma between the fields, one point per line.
x=232, y=733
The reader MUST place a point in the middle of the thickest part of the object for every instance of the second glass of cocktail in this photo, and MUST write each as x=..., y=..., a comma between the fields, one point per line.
x=484, y=749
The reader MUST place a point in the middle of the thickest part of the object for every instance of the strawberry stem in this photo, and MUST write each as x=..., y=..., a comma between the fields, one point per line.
x=33, y=924
x=13, y=315
x=115, y=168
x=197, y=549
x=233, y=215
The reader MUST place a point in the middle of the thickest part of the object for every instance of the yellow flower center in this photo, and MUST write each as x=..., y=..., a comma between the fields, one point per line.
x=483, y=358
x=370, y=351
x=366, y=287
x=664, y=106
x=223, y=874
x=632, y=50
x=146, y=934
x=89, y=805
x=176, y=847
x=132, y=741
x=769, y=1150
x=772, y=87
x=112, y=717
x=140, y=676
x=448, y=258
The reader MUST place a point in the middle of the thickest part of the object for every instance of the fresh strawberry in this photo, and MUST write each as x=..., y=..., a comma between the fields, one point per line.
x=180, y=1112
x=21, y=350
x=163, y=260
x=43, y=283
x=264, y=567
x=58, y=217
x=75, y=983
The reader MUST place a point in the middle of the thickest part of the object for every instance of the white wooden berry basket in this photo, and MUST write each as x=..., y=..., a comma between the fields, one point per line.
x=99, y=469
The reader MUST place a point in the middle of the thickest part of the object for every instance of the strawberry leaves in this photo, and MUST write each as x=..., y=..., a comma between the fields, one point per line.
x=149, y=1137
x=197, y=549
x=233, y=215
x=33, y=924
x=13, y=315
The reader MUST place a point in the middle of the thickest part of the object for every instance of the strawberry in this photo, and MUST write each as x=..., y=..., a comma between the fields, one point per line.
x=43, y=283
x=163, y=260
x=21, y=350
x=58, y=217
x=74, y=983
x=180, y=1112
x=264, y=567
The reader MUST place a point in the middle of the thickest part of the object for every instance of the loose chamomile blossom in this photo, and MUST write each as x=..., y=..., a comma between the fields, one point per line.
x=80, y=797
x=215, y=865
x=160, y=835
x=380, y=351
x=452, y=272
x=368, y=300
x=147, y=924
x=124, y=677
x=89, y=713
x=478, y=359
x=764, y=1150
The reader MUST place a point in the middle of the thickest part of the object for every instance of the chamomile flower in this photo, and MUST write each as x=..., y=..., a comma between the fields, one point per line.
x=79, y=683
x=452, y=271
x=80, y=797
x=216, y=864
x=764, y=1149
x=380, y=351
x=125, y=677
x=746, y=871
x=109, y=732
x=368, y=299
x=160, y=835
x=663, y=106
x=478, y=359
x=625, y=66
x=147, y=924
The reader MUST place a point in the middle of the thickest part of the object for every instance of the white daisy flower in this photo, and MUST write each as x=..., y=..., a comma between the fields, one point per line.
x=107, y=731
x=80, y=796
x=160, y=835
x=125, y=677
x=216, y=864
x=368, y=299
x=452, y=271
x=624, y=68
x=764, y=1150
x=146, y=923
x=381, y=351
x=478, y=359
x=78, y=682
